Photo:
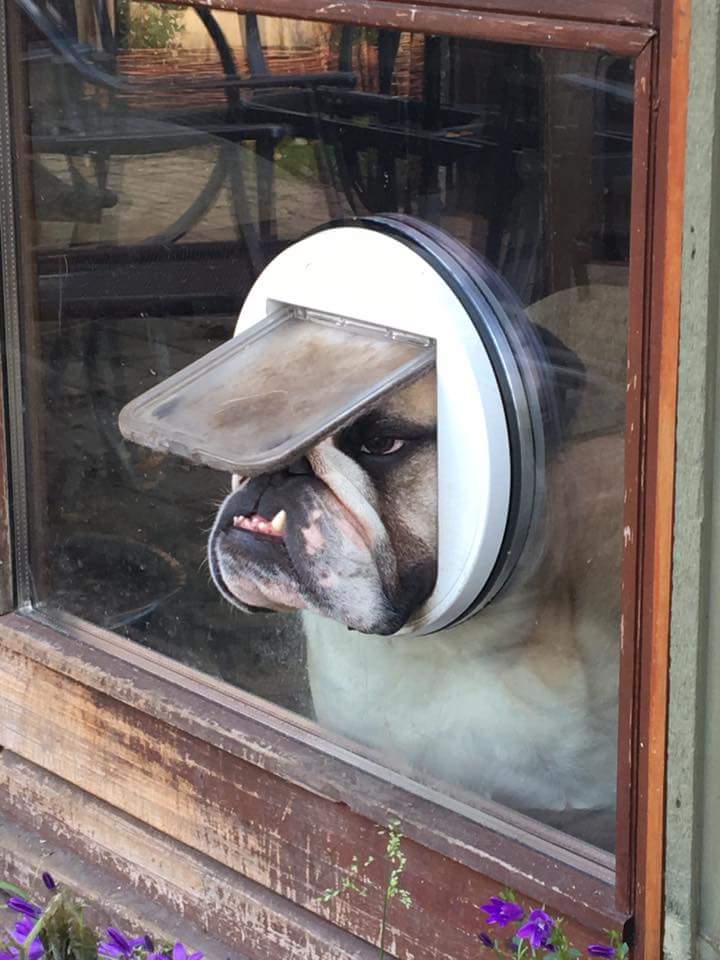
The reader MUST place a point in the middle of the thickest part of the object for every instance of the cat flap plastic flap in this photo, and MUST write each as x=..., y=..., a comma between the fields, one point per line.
x=258, y=401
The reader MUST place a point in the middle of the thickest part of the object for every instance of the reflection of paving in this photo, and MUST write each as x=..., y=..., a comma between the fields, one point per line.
x=154, y=191
x=99, y=485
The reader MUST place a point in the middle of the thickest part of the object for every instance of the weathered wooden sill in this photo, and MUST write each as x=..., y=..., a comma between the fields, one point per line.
x=139, y=879
x=234, y=807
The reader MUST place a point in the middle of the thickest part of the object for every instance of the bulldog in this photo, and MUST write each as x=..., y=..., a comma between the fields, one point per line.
x=517, y=704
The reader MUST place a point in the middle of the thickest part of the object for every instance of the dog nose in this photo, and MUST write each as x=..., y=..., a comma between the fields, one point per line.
x=300, y=467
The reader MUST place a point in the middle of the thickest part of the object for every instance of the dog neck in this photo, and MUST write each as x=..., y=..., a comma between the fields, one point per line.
x=510, y=679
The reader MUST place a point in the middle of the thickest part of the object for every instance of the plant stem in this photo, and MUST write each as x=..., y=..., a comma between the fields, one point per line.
x=30, y=938
x=383, y=923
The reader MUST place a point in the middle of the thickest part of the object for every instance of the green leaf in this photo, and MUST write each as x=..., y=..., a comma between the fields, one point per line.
x=64, y=933
x=82, y=941
x=13, y=891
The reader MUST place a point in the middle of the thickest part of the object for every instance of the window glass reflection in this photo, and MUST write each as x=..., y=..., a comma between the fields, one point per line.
x=173, y=152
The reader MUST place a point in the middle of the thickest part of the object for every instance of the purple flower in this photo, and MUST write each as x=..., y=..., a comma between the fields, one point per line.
x=118, y=945
x=538, y=929
x=502, y=912
x=20, y=934
x=600, y=950
x=486, y=941
x=179, y=952
x=47, y=879
x=22, y=906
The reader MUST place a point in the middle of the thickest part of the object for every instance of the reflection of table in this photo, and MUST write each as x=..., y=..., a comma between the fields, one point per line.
x=345, y=123
x=94, y=133
x=365, y=142
x=490, y=146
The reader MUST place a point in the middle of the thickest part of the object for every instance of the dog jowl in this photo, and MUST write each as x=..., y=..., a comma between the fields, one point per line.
x=348, y=531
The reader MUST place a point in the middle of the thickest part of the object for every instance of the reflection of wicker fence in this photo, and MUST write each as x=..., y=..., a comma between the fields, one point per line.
x=196, y=65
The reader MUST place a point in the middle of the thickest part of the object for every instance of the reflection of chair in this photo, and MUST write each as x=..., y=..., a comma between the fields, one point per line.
x=90, y=130
x=97, y=133
x=394, y=150
x=377, y=186
x=89, y=114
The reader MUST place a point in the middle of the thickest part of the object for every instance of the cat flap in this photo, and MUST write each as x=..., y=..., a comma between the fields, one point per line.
x=266, y=396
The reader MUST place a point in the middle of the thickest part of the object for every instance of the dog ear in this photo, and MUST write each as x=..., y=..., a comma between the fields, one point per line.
x=566, y=376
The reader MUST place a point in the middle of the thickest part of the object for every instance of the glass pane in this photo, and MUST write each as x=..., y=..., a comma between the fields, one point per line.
x=172, y=153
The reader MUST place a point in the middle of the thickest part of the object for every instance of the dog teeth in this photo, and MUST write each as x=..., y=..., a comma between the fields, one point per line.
x=257, y=524
x=278, y=522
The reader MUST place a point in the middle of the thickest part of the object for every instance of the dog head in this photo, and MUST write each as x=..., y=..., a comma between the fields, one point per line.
x=349, y=530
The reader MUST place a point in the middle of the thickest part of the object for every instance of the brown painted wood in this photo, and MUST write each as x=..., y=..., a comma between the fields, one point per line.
x=500, y=27
x=639, y=330
x=639, y=12
x=663, y=350
x=187, y=765
x=166, y=878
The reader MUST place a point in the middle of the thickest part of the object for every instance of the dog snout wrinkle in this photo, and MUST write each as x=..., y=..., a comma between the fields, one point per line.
x=300, y=467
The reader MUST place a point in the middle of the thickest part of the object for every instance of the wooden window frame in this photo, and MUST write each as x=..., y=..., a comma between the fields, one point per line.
x=197, y=760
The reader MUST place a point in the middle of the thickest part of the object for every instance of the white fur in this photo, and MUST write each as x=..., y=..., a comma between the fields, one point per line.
x=468, y=707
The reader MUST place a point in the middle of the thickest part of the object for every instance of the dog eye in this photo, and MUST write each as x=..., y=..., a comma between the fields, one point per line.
x=382, y=446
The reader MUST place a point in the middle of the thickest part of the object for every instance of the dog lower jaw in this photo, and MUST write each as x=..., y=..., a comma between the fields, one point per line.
x=251, y=594
x=384, y=620
x=256, y=594
x=263, y=594
x=268, y=596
